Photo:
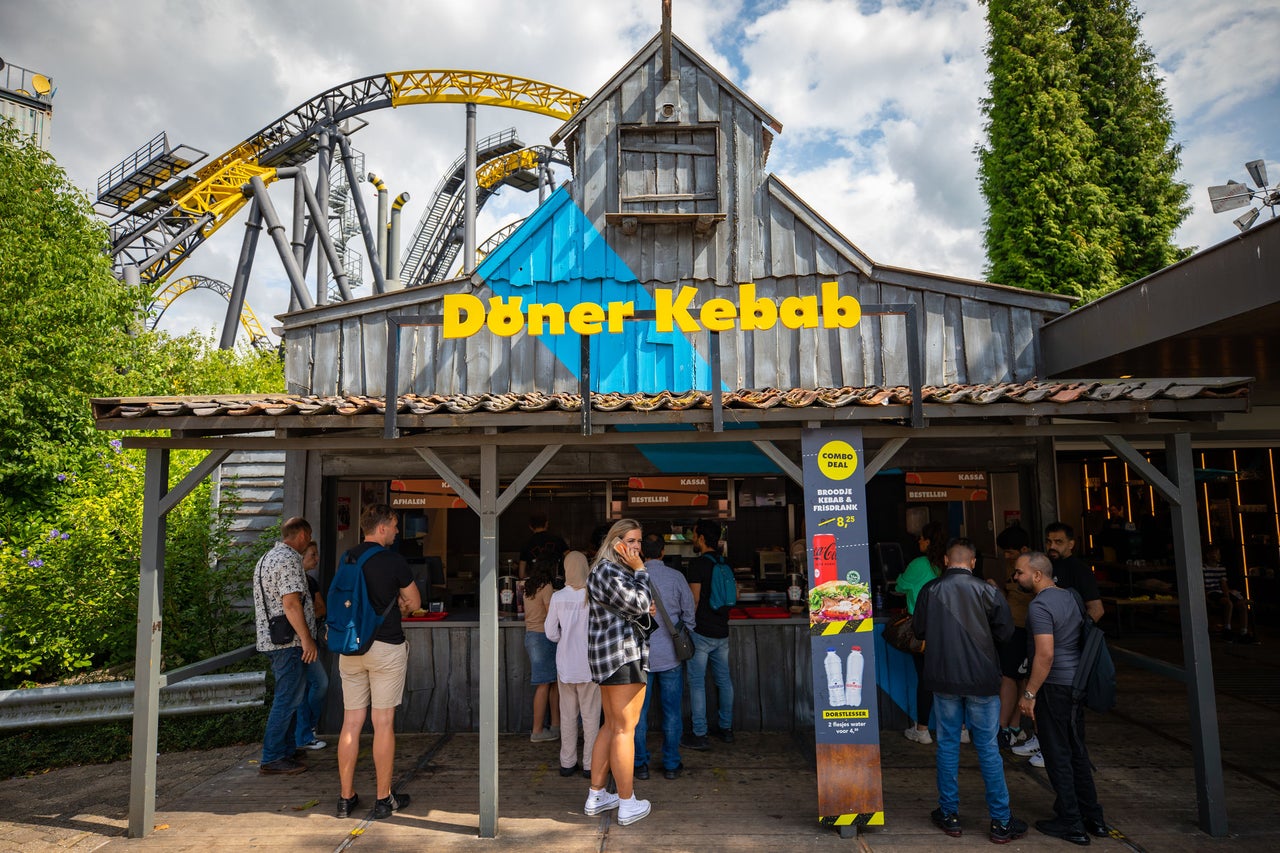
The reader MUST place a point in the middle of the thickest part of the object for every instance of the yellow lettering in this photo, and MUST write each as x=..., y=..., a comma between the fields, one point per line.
x=799, y=312
x=718, y=314
x=539, y=314
x=505, y=318
x=586, y=318
x=669, y=312
x=463, y=315
x=619, y=311
x=756, y=313
x=838, y=312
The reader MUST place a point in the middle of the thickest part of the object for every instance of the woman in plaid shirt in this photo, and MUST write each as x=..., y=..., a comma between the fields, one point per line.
x=618, y=652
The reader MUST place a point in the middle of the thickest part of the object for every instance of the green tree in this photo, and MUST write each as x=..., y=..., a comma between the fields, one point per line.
x=1125, y=105
x=65, y=319
x=1077, y=171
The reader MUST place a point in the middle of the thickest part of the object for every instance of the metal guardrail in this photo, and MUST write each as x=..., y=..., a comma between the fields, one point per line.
x=186, y=690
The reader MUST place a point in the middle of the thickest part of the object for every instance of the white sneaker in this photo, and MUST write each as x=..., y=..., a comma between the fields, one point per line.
x=1030, y=746
x=1037, y=760
x=918, y=735
x=602, y=801
x=964, y=735
x=315, y=744
x=632, y=810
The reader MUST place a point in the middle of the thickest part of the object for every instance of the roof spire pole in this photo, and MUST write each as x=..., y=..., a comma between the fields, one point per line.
x=666, y=40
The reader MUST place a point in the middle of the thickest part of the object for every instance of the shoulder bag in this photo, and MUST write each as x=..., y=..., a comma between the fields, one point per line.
x=279, y=628
x=680, y=637
x=900, y=634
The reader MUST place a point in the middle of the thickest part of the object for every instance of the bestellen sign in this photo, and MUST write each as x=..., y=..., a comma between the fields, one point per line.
x=466, y=315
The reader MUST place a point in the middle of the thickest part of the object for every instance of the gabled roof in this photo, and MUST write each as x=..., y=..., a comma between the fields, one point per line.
x=645, y=54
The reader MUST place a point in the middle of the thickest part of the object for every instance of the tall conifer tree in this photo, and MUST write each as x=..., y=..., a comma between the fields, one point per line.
x=1077, y=170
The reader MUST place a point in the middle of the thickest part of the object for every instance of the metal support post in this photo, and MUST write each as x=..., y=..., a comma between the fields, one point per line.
x=488, y=663
x=146, y=695
x=276, y=230
x=380, y=226
x=324, y=157
x=469, y=180
x=1206, y=746
x=132, y=277
x=370, y=242
x=329, y=250
x=299, y=241
x=239, y=284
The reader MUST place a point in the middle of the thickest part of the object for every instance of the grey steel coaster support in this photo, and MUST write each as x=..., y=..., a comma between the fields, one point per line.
x=239, y=284
x=1179, y=489
x=329, y=250
x=370, y=242
x=276, y=230
x=469, y=182
x=324, y=158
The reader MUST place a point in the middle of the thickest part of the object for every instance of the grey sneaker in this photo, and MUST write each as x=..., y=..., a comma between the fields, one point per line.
x=387, y=806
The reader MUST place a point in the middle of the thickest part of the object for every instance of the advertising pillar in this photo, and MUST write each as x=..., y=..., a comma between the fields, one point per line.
x=846, y=724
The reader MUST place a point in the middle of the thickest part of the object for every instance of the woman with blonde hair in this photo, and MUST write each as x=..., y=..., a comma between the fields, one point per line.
x=618, y=652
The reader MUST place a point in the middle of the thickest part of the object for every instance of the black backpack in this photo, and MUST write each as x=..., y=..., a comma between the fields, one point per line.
x=1094, y=684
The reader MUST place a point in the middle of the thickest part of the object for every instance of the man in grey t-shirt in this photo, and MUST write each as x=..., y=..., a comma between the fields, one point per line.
x=1055, y=619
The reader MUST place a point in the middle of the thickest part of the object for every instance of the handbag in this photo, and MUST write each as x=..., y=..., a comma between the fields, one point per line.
x=680, y=637
x=900, y=634
x=279, y=628
x=642, y=626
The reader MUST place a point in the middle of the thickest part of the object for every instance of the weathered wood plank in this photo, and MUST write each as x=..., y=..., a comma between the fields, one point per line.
x=979, y=341
x=326, y=355
x=297, y=362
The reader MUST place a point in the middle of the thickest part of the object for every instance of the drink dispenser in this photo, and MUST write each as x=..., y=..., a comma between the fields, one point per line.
x=797, y=586
x=507, y=596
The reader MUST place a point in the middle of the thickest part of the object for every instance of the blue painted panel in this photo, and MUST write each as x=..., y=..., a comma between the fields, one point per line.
x=557, y=256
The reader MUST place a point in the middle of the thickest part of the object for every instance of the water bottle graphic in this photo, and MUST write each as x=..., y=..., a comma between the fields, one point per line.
x=835, y=682
x=853, y=677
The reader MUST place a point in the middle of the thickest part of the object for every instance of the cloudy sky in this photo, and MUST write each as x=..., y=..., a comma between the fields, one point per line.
x=878, y=98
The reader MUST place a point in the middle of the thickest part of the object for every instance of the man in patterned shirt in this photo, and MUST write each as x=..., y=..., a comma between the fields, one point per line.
x=280, y=586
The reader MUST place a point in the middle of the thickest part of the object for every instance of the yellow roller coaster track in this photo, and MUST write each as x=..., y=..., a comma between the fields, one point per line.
x=166, y=295
x=216, y=196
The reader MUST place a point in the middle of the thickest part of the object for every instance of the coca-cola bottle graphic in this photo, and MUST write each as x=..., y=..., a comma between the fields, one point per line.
x=824, y=558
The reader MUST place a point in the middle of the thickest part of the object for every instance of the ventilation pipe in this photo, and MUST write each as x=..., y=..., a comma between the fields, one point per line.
x=380, y=226
x=393, y=243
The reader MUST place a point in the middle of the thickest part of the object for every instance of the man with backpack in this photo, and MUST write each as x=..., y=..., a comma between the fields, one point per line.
x=712, y=584
x=374, y=679
x=1055, y=621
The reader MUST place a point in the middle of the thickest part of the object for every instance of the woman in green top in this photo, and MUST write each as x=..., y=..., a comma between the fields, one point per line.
x=921, y=570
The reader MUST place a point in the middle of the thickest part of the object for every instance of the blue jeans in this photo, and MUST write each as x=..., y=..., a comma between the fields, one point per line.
x=982, y=715
x=715, y=652
x=317, y=685
x=671, y=686
x=287, y=668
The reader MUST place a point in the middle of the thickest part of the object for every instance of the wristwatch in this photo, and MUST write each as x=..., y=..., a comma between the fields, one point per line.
x=1027, y=694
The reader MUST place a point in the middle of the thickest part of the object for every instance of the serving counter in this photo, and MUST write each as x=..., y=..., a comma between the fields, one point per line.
x=769, y=659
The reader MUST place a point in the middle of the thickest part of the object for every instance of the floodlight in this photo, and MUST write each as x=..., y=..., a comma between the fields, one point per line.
x=1245, y=220
x=1257, y=171
x=1229, y=196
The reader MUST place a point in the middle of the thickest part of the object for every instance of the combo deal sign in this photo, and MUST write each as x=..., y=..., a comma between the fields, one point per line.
x=465, y=315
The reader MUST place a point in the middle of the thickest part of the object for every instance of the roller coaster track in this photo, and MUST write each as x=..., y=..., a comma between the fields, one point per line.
x=158, y=232
x=165, y=296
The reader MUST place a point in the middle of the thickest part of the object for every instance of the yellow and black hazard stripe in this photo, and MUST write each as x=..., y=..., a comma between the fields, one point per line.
x=864, y=819
x=830, y=629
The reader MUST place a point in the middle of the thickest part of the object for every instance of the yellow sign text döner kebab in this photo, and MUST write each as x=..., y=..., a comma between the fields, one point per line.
x=466, y=315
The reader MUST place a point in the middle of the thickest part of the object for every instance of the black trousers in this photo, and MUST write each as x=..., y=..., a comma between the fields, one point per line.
x=1066, y=759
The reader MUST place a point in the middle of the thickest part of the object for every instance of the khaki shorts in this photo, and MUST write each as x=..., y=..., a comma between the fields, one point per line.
x=376, y=675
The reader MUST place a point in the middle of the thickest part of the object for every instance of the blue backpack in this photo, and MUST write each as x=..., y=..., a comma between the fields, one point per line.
x=724, y=589
x=351, y=620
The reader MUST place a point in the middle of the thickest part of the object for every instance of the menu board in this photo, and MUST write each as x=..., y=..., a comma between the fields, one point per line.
x=933, y=486
x=649, y=492
x=424, y=494
x=842, y=640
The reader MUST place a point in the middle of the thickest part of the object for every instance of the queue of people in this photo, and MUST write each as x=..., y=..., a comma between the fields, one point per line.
x=599, y=644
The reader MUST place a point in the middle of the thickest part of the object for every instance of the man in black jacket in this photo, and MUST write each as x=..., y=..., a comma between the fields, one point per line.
x=961, y=619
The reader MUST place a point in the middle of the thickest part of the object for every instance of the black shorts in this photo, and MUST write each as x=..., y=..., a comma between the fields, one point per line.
x=1013, y=656
x=629, y=673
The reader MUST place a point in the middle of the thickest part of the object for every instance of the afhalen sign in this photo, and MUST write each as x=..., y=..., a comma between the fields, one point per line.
x=465, y=315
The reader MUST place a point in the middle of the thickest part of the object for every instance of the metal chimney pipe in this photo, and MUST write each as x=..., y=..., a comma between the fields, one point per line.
x=380, y=227
x=393, y=243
